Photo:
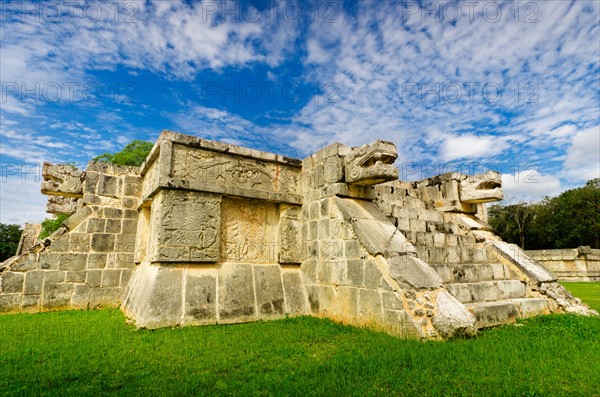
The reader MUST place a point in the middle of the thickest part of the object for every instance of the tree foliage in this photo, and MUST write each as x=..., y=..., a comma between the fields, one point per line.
x=50, y=225
x=133, y=154
x=569, y=220
x=9, y=240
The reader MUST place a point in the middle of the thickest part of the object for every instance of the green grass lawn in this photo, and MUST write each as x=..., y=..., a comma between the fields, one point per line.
x=587, y=292
x=96, y=352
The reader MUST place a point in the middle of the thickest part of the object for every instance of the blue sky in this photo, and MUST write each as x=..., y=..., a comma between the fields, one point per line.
x=467, y=86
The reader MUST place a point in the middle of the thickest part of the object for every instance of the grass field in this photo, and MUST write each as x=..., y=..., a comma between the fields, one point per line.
x=97, y=353
x=587, y=292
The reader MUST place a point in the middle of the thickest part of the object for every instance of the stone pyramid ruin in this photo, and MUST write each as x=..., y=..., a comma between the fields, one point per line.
x=210, y=233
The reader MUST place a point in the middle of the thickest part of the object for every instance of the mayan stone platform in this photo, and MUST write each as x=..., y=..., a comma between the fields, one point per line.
x=204, y=232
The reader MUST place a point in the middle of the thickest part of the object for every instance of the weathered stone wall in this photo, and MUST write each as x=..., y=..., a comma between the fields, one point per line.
x=29, y=237
x=444, y=217
x=358, y=268
x=578, y=264
x=87, y=262
x=205, y=232
x=440, y=236
x=219, y=236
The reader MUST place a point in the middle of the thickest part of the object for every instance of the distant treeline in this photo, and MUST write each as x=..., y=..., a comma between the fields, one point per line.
x=569, y=220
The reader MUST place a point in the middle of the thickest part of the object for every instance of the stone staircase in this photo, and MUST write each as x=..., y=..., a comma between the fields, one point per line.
x=491, y=291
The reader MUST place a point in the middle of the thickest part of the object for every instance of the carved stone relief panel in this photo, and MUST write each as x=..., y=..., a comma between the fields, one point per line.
x=290, y=237
x=187, y=227
x=199, y=167
x=249, y=231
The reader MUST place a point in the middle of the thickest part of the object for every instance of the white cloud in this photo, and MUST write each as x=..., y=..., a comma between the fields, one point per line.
x=21, y=200
x=470, y=146
x=529, y=186
x=176, y=38
x=583, y=156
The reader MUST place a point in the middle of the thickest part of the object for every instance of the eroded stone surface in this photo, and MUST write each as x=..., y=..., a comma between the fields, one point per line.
x=371, y=164
x=187, y=227
x=206, y=232
x=62, y=180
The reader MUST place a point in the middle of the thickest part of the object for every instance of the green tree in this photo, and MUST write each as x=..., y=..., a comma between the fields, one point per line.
x=9, y=240
x=569, y=220
x=50, y=225
x=133, y=154
x=512, y=222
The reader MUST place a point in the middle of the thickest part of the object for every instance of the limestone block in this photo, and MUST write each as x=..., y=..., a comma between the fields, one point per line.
x=325, y=272
x=356, y=272
x=96, y=261
x=113, y=213
x=452, y=317
x=125, y=277
x=372, y=275
x=96, y=225
x=290, y=237
x=518, y=257
x=78, y=217
x=31, y=303
x=398, y=322
x=113, y=226
x=309, y=270
x=10, y=303
x=48, y=260
x=11, y=282
x=129, y=226
x=79, y=242
x=391, y=301
x=54, y=277
x=102, y=242
x=72, y=261
x=329, y=301
x=56, y=296
x=481, y=188
x=62, y=205
x=270, y=298
x=125, y=243
x=371, y=164
x=351, y=249
x=34, y=281
x=106, y=296
x=200, y=297
x=111, y=277
x=81, y=296
x=25, y=263
x=370, y=309
x=295, y=294
x=222, y=173
x=76, y=276
x=107, y=185
x=132, y=186
x=236, y=293
x=187, y=227
x=412, y=272
x=314, y=298
x=29, y=237
x=130, y=203
x=249, y=231
x=346, y=304
x=94, y=278
x=62, y=180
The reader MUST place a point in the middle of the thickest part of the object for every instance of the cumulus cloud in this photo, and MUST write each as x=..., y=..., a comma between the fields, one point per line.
x=583, y=156
x=529, y=186
x=21, y=201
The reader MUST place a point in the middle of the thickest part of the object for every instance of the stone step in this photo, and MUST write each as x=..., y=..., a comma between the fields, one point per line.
x=487, y=291
x=489, y=314
x=473, y=272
